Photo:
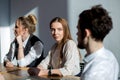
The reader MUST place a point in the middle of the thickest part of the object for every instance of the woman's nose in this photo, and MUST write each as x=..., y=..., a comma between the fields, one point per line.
x=56, y=32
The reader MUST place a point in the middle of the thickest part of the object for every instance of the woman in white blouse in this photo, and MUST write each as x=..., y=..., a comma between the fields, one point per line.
x=64, y=57
x=26, y=49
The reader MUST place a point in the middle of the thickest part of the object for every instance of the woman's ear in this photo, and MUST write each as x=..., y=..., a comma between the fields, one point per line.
x=87, y=32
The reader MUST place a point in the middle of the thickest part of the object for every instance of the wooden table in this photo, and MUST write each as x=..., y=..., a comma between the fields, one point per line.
x=17, y=73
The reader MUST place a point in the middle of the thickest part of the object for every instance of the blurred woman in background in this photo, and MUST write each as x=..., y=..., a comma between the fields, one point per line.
x=26, y=49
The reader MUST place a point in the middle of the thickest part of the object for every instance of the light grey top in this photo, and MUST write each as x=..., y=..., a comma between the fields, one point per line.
x=71, y=59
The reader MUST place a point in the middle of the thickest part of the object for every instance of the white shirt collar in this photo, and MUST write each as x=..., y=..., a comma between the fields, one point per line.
x=25, y=42
x=92, y=55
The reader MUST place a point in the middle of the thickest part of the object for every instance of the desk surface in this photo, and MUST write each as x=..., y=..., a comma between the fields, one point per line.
x=21, y=74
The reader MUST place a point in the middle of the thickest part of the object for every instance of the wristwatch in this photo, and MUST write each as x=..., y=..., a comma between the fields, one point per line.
x=49, y=72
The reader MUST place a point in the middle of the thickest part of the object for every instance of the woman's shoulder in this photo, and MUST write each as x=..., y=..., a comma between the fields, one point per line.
x=34, y=37
x=70, y=42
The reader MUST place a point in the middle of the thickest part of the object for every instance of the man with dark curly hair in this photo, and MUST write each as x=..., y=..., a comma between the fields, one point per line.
x=100, y=64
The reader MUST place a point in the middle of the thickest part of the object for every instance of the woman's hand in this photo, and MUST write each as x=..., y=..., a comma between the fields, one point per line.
x=19, y=40
x=43, y=72
x=9, y=64
x=40, y=67
x=2, y=77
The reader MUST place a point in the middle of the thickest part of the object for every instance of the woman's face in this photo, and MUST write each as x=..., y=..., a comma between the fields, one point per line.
x=57, y=31
x=19, y=29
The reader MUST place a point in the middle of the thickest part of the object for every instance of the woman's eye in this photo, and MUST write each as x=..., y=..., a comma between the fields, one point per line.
x=16, y=26
x=59, y=29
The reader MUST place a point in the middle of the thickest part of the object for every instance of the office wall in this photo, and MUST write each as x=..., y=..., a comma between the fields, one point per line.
x=4, y=27
x=45, y=10
x=112, y=41
x=4, y=12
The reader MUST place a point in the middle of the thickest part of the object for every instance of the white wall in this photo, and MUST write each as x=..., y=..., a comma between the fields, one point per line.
x=4, y=27
x=5, y=40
